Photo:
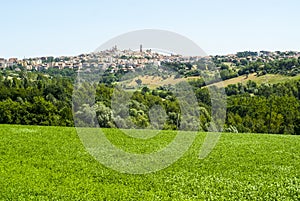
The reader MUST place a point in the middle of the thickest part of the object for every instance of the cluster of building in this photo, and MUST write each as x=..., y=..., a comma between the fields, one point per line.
x=263, y=56
x=129, y=60
x=113, y=60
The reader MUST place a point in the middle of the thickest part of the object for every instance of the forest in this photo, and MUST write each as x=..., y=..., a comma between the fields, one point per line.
x=46, y=98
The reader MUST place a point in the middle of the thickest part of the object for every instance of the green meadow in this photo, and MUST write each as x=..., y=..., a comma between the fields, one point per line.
x=50, y=163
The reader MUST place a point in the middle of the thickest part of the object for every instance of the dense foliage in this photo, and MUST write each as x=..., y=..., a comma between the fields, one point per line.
x=35, y=99
x=264, y=108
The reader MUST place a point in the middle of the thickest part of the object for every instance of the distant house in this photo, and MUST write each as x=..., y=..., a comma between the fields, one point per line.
x=130, y=68
x=29, y=67
x=2, y=63
x=12, y=62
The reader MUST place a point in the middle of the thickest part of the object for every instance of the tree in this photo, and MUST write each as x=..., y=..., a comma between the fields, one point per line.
x=104, y=115
x=145, y=90
x=139, y=82
x=247, y=74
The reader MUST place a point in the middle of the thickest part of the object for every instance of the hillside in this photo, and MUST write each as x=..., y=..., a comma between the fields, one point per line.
x=269, y=78
x=155, y=81
x=50, y=163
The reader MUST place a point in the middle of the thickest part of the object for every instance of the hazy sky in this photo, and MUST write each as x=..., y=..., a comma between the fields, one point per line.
x=39, y=28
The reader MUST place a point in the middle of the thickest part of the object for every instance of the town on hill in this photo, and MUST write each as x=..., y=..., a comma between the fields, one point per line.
x=116, y=60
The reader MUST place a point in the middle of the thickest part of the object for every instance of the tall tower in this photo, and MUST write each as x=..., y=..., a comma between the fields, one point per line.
x=141, y=48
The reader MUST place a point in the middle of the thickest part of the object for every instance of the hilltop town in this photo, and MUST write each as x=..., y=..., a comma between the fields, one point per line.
x=114, y=60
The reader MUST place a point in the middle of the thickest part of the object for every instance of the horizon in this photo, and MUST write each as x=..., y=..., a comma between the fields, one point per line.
x=162, y=53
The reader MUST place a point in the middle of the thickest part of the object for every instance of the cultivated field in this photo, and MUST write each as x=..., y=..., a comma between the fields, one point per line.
x=269, y=78
x=155, y=81
x=50, y=163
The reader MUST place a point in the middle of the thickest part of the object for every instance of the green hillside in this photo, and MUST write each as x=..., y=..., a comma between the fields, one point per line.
x=269, y=78
x=50, y=163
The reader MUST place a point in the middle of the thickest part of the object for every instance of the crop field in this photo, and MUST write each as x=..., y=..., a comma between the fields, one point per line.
x=50, y=163
x=155, y=81
x=269, y=78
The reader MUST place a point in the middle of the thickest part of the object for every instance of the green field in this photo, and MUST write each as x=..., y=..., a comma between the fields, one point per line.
x=267, y=79
x=50, y=163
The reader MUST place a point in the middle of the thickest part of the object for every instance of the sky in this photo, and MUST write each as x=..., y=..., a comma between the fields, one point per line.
x=35, y=28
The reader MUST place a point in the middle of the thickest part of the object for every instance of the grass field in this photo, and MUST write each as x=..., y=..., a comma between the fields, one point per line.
x=50, y=163
x=269, y=78
x=155, y=81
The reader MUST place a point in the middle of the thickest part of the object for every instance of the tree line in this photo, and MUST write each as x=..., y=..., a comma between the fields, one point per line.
x=38, y=98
